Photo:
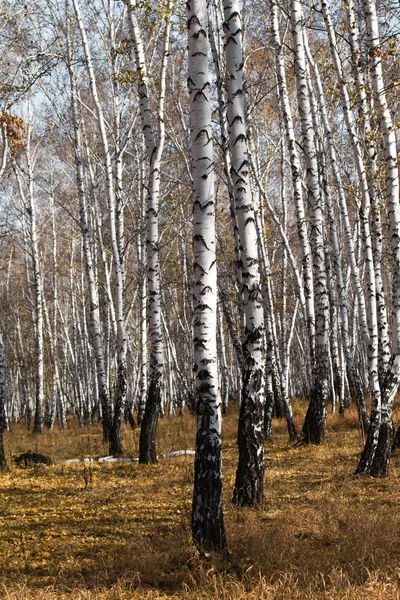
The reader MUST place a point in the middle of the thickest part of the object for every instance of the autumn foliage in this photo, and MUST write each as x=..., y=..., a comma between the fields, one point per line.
x=15, y=130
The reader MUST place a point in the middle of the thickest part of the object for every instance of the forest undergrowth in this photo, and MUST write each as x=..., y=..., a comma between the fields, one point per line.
x=122, y=531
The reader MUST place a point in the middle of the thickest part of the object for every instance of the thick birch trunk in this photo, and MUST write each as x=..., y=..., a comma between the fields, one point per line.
x=143, y=335
x=207, y=518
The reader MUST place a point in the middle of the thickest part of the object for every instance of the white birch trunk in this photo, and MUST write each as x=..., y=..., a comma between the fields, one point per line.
x=223, y=367
x=314, y=425
x=207, y=517
x=375, y=200
x=118, y=260
x=155, y=147
x=375, y=461
x=352, y=372
x=373, y=352
x=296, y=180
x=143, y=316
x=249, y=482
x=4, y=151
x=57, y=391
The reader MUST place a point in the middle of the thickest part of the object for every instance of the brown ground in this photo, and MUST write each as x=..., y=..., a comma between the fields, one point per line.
x=119, y=532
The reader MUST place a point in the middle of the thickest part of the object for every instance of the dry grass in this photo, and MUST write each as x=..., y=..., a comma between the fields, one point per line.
x=119, y=532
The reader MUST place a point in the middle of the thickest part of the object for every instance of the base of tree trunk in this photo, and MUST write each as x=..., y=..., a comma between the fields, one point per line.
x=289, y=418
x=207, y=518
x=129, y=417
x=147, y=441
x=375, y=458
x=115, y=442
x=358, y=396
x=249, y=483
x=119, y=404
x=38, y=423
x=105, y=415
x=315, y=421
x=37, y=428
x=3, y=462
x=291, y=430
x=279, y=412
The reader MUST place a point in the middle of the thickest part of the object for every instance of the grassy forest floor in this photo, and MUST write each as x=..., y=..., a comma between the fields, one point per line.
x=122, y=531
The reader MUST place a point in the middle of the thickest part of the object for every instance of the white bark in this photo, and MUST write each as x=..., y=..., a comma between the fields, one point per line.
x=296, y=180
x=154, y=145
x=368, y=139
x=391, y=159
x=375, y=458
x=207, y=518
x=250, y=471
x=118, y=259
x=314, y=426
x=4, y=151
x=57, y=391
x=353, y=375
x=373, y=366
x=97, y=341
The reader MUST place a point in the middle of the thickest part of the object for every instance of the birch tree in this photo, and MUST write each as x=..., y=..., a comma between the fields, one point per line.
x=118, y=258
x=154, y=139
x=207, y=518
x=352, y=371
x=249, y=482
x=314, y=425
x=376, y=454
